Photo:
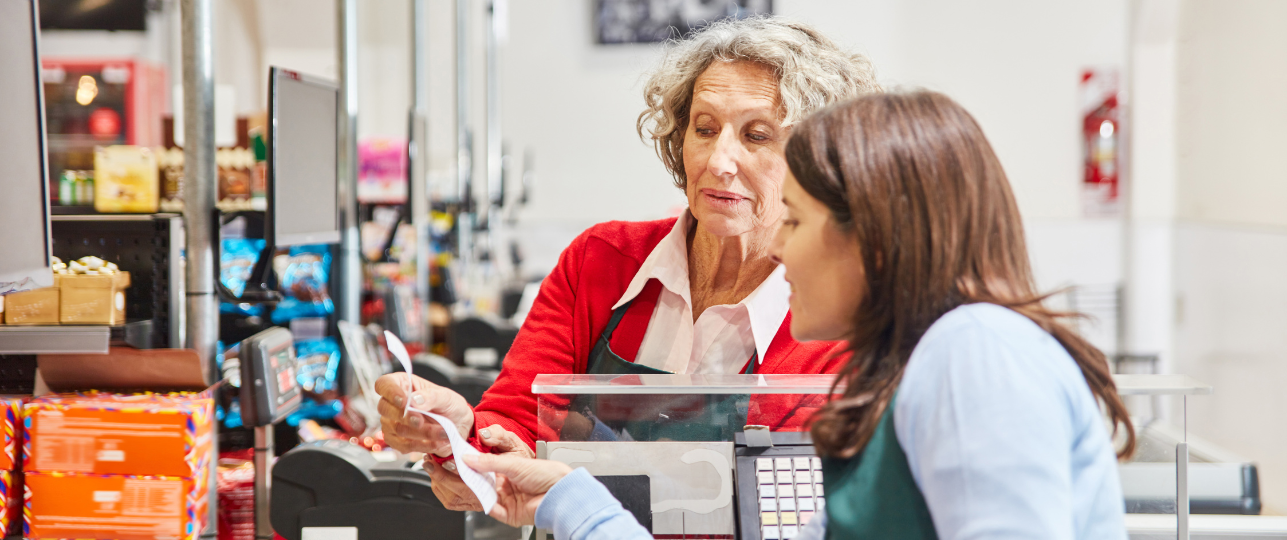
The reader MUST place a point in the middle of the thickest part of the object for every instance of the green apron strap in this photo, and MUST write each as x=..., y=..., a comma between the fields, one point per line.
x=873, y=494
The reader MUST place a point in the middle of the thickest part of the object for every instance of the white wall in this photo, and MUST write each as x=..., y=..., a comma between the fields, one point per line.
x=1232, y=161
x=1014, y=64
x=574, y=105
x=1231, y=244
x=1232, y=334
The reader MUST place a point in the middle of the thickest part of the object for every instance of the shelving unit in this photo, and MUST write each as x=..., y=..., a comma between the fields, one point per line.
x=150, y=248
x=54, y=339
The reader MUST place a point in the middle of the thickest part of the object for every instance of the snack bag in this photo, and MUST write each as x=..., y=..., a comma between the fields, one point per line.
x=305, y=281
x=237, y=258
x=318, y=362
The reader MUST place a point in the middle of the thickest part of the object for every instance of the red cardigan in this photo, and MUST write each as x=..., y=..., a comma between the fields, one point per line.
x=573, y=308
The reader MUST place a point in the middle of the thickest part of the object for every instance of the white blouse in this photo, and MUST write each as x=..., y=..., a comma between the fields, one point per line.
x=725, y=336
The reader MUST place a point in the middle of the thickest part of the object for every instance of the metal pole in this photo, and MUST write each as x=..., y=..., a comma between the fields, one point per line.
x=199, y=181
x=1125, y=185
x=349, y=302
x=495, y=178
x=263, y=481
x=202, y=306
x=417, y=186
x=464, y=137
x=1182, y=480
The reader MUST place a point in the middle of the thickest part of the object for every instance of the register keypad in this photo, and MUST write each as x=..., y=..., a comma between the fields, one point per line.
x=790, y=494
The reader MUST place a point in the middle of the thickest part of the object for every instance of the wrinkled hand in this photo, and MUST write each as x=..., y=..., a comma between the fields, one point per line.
x=446, y=482
x=521, y=484
x=415, y=432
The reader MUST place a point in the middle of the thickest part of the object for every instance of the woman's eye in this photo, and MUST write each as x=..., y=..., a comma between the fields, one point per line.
x=788, y=222
x=704, y=132
x=757, y=137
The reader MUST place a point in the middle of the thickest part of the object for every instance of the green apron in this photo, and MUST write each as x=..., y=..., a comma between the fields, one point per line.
x=657, y=417
x=873, y=495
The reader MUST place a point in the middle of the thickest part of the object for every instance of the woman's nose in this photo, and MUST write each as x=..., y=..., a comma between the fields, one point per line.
x=723, y=161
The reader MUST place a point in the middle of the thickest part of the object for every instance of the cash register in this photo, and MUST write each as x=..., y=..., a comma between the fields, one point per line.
x=338, y=484
x=696, y=456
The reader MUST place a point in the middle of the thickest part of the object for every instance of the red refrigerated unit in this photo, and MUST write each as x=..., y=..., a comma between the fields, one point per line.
x=99, y=102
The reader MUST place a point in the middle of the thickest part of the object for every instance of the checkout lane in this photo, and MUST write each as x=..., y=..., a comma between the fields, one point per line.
x=388, y=481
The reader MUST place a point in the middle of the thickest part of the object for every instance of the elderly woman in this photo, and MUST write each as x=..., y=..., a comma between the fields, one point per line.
x=697, y=294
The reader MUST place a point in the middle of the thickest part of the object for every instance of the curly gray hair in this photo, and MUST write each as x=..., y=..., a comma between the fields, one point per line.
x=813, y=72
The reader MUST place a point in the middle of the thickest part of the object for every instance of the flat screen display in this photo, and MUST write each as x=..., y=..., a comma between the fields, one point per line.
x=302, y=159
x=93, y=14
x=24, y=202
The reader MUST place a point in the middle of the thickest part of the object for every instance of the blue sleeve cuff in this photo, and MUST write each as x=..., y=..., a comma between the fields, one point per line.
x=577, y=504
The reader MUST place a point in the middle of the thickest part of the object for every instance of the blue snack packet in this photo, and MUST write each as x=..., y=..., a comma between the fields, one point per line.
x=318, y=364
x=237, y=258
x=305, y=282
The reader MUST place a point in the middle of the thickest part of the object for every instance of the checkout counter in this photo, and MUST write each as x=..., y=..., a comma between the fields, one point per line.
x=673, y=448
x=698, y=456
x=702, y=456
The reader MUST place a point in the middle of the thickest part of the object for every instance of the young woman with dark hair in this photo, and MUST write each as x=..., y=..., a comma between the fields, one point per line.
x=967, y=409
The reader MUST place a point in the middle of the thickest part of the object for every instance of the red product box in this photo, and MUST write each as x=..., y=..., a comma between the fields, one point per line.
x=236, y=488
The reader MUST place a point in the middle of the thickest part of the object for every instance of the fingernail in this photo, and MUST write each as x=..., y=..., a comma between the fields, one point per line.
x=416, y=421
x=449, y=465
x=484, y=433
x=418, y=399
x=398, y=400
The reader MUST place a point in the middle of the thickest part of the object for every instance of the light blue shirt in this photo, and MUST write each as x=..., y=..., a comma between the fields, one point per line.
x=1002, y=433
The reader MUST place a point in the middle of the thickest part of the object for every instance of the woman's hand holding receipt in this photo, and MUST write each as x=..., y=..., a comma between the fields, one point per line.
x=521, y=484
x=448, y=486
x=406, y=401
x=413, y=432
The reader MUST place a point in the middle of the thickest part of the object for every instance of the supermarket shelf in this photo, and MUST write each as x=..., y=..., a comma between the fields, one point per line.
x=54, y=339
x=107, y=217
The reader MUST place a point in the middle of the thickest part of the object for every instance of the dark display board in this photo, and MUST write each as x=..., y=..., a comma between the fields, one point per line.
x=93, y=15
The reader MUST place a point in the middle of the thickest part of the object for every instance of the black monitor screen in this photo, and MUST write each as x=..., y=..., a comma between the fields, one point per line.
x=24, y=203
x=302, y=159
x=93, y=14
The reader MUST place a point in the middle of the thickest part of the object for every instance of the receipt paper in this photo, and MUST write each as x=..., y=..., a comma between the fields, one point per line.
x=482, y=484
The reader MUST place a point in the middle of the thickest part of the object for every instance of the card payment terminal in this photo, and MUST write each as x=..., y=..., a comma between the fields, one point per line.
x=269, y=393
x=269, y=390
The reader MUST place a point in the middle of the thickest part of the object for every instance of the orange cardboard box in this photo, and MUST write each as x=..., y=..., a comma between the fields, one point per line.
x=116, y=507
x=39, y=306
x=143, y=435
x=93, y=299
x=12, y=426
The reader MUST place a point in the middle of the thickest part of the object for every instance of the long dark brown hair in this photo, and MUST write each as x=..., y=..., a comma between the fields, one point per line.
x=911, y=178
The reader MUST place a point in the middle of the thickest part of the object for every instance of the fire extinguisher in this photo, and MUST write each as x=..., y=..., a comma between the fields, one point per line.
x=1099, y=132
x=1101, y=123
